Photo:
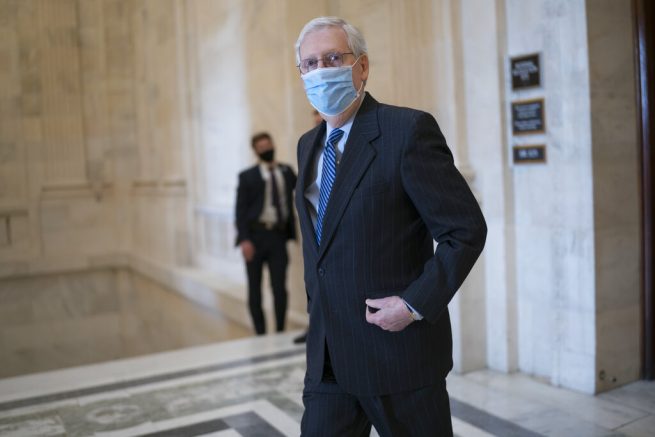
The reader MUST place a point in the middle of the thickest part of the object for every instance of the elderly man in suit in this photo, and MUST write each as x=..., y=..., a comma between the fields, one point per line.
x=376, y=186
x=265, y=221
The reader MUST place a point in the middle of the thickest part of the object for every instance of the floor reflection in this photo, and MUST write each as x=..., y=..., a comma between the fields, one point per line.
x=55, y=321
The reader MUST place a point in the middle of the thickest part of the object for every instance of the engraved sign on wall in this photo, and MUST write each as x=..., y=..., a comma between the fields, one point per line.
x=525, y=71
x=528, y=117
x=531, y=154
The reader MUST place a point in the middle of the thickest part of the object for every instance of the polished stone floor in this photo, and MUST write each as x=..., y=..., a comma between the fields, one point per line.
x=252, y=387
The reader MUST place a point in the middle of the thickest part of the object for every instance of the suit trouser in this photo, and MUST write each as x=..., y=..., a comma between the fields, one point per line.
x=331, y=412
x=270, y=249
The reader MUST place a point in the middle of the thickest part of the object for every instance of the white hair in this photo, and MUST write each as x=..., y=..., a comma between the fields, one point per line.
x=356, y=41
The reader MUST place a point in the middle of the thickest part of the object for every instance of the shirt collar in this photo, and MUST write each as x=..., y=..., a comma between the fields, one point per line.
x=346, y=126
x=264, y=168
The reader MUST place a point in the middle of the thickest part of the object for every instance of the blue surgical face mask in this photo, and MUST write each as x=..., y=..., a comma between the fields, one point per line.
x=331, y=90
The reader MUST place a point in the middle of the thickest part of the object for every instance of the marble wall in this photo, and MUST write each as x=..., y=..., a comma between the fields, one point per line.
x=617, y=235
x=94, y=113
x=491, y=305
x=563, y=251
x=553, y=203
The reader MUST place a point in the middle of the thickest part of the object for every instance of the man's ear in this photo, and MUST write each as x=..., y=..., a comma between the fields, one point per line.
x=364, y=63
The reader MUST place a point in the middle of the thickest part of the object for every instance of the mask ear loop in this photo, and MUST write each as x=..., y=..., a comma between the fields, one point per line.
x=361, y=87
x=359, y=91
x=355, y=99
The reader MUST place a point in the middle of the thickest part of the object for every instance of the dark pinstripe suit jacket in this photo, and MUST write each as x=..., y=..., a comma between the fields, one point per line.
x=396, y=190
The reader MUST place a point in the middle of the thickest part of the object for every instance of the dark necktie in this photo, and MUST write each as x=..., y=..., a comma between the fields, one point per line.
x=276, y=197
x=328, y=176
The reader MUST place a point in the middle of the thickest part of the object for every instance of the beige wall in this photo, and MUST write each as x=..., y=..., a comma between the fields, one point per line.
x=93, y=132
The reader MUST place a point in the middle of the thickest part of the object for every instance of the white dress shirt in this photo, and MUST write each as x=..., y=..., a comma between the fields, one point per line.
x=269, y=215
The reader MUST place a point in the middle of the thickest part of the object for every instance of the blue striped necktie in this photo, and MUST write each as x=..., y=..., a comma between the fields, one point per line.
x=327, y=178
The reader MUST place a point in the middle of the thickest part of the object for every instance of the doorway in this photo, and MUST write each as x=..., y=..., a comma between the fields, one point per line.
x=645, y=59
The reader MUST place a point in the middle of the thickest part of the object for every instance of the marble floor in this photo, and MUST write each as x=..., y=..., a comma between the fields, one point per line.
x=252, y=387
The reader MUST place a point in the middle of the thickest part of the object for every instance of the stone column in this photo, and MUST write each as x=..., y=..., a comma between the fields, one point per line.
x=452, y=112
x=616, y=193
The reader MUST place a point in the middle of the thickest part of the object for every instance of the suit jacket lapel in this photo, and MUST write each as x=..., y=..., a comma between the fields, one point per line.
x=358, y=155
x=305, y=161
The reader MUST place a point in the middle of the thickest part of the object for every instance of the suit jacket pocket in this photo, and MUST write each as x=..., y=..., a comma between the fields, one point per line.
x=379, y=294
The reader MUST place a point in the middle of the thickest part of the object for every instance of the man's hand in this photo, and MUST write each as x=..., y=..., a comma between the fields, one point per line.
x=248, y=250
x=392, y=314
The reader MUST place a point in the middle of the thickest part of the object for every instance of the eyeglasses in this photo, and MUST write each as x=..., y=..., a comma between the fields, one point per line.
x=334, y=59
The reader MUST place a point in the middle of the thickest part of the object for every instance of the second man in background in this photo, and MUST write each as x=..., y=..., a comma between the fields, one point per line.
x=265, y=221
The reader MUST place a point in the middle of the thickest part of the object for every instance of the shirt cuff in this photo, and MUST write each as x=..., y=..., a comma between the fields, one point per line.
x=415, y=314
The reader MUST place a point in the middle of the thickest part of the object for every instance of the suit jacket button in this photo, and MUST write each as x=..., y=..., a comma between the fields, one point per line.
x=321, y=272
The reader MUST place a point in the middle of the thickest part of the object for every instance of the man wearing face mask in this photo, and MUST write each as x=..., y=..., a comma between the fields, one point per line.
x=376, y=186
x=265, y=221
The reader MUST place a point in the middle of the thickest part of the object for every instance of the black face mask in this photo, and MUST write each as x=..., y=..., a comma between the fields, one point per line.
x=267, y=156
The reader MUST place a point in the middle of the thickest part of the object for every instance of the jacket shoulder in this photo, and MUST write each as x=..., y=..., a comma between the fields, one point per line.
x=400, y=114
x=285, y=167
x=310, y=135
x=249, y=171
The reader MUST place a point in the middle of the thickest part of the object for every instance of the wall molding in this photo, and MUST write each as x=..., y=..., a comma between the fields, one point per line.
x=176, y=187
x=96, y=190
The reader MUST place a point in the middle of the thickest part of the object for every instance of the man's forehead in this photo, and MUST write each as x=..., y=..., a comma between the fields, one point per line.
x=325, y=40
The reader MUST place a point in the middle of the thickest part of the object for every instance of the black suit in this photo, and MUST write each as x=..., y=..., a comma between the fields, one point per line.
x=270, y=244
x=396, y=190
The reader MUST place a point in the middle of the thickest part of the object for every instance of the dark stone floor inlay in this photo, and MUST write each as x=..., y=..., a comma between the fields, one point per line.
x=488, y=422
x=247, y=424
x=36, y=400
